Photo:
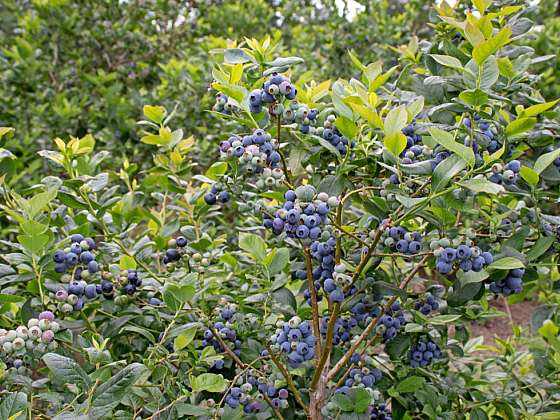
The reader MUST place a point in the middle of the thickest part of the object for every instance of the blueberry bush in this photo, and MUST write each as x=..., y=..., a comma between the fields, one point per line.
x=323, y=259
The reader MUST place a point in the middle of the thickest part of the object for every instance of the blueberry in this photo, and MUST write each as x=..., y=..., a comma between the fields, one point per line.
x=443, y=267
x=90, y=291
x=488, y=258
x=76, y=288
x=90, y=242
x=449, y=254
x=336, y=295
x=86, y=257
x=93, y=267
x=60, y=267
x=172, y=254
x=414, y=247
x=129, y=289
x=59, y=257
x=210, y=198
x=478, y=264
x=76, y=237
x=106, y=287
x=71, y=259
x=463, y=252
x=76, y=248
x=181, y=241
x=402, y=246
x=517, y=272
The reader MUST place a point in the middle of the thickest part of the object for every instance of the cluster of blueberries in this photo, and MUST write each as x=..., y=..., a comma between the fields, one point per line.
x=79, y=252
x=173, y=252
x=241, y=395
x=469, y=258
x=379, y=412
x=215, y=195
x=301, y=114
x=295, y=339
x=37, y=336
x=391, y=322
x=270, y=179
x=303, y=214
x=254, y=152
x=415, y=150
x=399, y=240
x=223, y=104
x=512, y=283
x=423, y=353
x=131, y=280
x=273, y=91
x=343, y=325
x=414, y=147
x=330, y=133
x=73, y=297
x=362, y=377
x=427, y=304
x=489, y=137
x=227, y=333
x=324, y=254
x=505, y=175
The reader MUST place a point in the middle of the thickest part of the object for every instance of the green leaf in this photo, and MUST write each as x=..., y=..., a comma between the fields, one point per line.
x=362, y=400
x=236, y=56
x=14, y=406
x=66, y=370
x=39, y=201
x=217, y=170
x=475, y=97
x=410, y=384
x=185, y=338
x=537, y=109
x=446, y=170
x=398, y=346
x=127, y=262
x=446, y=140
x=395, y=143
x=34, y=243
x=395, y=120
x=110, y=393
x=448, y=61
x=507, y=263
x=155, y=113
x=5, y=298
x=279, y=260
x=343, y=402
x=285, y=61
x=540, y=247
x=482, y=185
x=208, y=382
x=486, y=48
x=71, y=201
x=529, y=175
x=253, y=244
x=545, y=160
x=481, y=77
x=346, y=126
x=520, y=126
x=444, y=319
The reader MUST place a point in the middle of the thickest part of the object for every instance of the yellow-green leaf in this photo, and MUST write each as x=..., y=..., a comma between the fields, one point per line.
x=485, y=49
x=155, y=113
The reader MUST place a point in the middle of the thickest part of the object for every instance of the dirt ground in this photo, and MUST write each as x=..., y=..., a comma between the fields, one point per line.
x=520, y=313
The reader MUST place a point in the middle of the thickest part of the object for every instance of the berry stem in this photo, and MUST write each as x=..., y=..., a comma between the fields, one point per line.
x=336, y=309
x=314, y=304
x=288, y=378
x=284, y=165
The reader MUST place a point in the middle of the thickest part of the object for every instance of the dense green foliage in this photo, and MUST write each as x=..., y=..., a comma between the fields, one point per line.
x=274, y=209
